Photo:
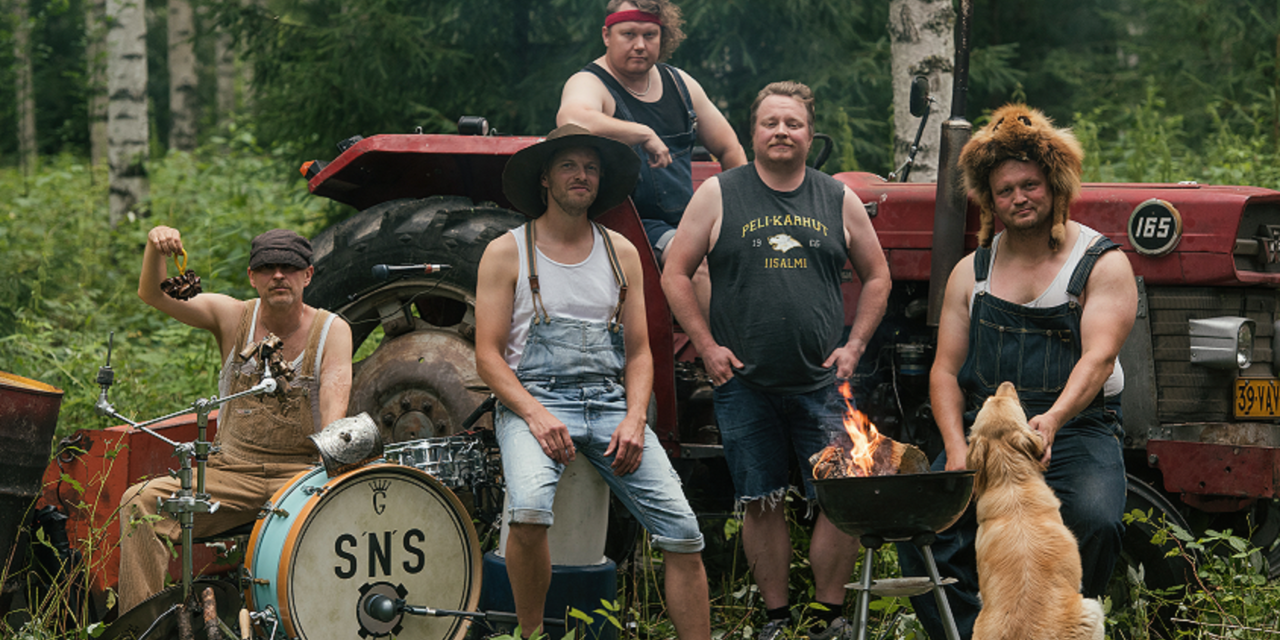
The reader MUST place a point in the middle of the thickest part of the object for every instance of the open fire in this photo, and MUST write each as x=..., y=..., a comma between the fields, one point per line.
x=862, y=451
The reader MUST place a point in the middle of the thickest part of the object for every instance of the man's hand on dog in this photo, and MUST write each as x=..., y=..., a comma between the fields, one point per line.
x=1047, y=426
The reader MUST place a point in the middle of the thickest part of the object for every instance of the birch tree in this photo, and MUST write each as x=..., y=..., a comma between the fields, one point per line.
x=26, y=101
x=225, y=70
x=922, y=43
x=95, y=31
x=127, y=132
x=182, y=76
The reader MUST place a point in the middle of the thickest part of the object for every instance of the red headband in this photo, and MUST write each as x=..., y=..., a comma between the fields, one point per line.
x=632, y=15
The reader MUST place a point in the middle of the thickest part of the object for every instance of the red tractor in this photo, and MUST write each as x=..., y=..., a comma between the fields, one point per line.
x=1201, y=397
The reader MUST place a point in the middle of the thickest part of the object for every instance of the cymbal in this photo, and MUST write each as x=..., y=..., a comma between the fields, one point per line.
x=158, y=613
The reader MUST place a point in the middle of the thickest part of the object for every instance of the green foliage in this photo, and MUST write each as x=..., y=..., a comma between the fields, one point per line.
x=1231, y=597
x=68, y=280
x=326, y=70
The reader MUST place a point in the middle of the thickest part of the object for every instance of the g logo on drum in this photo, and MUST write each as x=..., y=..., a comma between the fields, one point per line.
x=379, y=494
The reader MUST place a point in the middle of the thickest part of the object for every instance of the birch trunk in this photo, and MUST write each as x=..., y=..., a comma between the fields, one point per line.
x=182, y=76
x=226, y=72
x=127, y=121
x=95, y=30
x=24, y=92
x=922, y=43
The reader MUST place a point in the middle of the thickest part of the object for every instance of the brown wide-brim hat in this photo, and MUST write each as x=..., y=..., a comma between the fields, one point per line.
x=1019, y=132
x=522, y=178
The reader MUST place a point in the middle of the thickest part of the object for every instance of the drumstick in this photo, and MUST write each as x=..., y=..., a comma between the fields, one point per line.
x=246, y=628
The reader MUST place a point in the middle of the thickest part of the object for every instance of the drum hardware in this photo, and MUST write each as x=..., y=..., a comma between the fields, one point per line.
x=384, y=608
x=191, y=497
x=311, y=491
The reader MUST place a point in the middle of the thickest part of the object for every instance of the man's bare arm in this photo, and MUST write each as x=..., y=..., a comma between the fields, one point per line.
x=213, y=312
x=873, y=271
x=945, y=395
x=692, y=242
x=1110, y=306
x=627, y=442
x=714, y=131
x=335, y=373
x=585, y=101
x=495, y=299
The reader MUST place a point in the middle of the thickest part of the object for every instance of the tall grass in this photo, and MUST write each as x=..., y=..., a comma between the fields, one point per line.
x=67, y=280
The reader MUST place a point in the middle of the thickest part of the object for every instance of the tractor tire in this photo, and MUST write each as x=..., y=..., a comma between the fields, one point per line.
x=420, y=382
x=1162, y=566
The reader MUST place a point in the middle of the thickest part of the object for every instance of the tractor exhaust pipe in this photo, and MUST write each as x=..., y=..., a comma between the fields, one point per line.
x=951, y=202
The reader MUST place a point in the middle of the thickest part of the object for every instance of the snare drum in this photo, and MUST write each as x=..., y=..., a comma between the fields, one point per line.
x=456, y=461
x=328, y=544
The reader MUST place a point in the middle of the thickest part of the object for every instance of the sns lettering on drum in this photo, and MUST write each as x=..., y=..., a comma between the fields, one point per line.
x=384, y=528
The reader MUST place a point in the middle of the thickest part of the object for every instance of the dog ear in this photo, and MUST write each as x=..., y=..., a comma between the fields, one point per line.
x=976, y=460
x=1031, y=444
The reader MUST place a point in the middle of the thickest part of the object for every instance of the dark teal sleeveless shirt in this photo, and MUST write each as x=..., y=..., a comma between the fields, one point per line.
x=775, y=279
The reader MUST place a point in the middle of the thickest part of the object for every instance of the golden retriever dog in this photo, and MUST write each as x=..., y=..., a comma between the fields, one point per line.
x=1028, y=561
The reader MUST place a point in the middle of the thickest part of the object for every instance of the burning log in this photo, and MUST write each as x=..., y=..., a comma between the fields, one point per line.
x=861, y=451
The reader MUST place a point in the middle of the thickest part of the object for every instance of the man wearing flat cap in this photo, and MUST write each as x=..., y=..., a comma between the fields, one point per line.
x=565, y=350
x=263, y=439
x=1045, y=304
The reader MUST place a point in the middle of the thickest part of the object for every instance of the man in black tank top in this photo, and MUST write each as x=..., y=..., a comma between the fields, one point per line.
x=776, y=235
x=630, y=96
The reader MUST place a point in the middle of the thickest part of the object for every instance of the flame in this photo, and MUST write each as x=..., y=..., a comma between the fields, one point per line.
x=866, y=439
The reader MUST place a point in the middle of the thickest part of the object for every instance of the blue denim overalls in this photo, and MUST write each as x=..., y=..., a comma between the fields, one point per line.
x=572, y=367
x=1036, y=349
x=660, y=195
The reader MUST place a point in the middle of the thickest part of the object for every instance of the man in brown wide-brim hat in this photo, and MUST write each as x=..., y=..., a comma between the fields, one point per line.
x=566, y=352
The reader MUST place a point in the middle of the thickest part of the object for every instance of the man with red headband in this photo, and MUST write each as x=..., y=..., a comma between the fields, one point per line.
x=629, y=95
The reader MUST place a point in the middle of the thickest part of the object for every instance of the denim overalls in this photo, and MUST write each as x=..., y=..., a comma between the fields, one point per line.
x=572, y=367
x=1036, y=349
x=662, y=194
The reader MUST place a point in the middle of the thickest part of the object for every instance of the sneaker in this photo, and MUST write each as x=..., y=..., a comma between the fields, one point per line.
x=839, y=629
x=773, y=630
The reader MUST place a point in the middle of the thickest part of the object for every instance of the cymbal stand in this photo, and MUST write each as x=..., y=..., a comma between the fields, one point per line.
x=192, y=497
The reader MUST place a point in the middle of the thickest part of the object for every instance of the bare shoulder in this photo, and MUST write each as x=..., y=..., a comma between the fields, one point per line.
x=625, y=248
x=500, y=260
x=1112, y=274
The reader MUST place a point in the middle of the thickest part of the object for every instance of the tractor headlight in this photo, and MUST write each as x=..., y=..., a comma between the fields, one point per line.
x=1222, y=343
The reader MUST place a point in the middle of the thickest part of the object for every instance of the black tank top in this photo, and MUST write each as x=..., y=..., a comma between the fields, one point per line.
x=775, y=279
x=667, y=116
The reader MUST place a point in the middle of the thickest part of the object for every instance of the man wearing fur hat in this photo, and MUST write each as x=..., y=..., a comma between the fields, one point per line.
x=558, y=280
x=1070, y=300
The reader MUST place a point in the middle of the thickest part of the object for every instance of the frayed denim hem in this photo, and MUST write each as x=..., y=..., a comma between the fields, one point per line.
x=531, y=516
x=775, y=499
x=678, y=546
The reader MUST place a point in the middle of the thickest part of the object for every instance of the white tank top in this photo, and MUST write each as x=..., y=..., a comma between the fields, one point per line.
x=1056, y=293
x=582, y=291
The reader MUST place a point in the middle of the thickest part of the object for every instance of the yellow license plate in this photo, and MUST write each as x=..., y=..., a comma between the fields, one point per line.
x=1257, y=398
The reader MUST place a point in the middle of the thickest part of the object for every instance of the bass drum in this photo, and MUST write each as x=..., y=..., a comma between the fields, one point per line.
x=328, y=545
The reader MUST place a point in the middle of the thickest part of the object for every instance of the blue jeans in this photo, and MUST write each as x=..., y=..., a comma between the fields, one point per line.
x=1086, y=472
x=589, y=400
x=758, y=427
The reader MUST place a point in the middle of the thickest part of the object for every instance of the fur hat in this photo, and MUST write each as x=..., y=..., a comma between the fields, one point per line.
x=1019, y=132
x=619, y=170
